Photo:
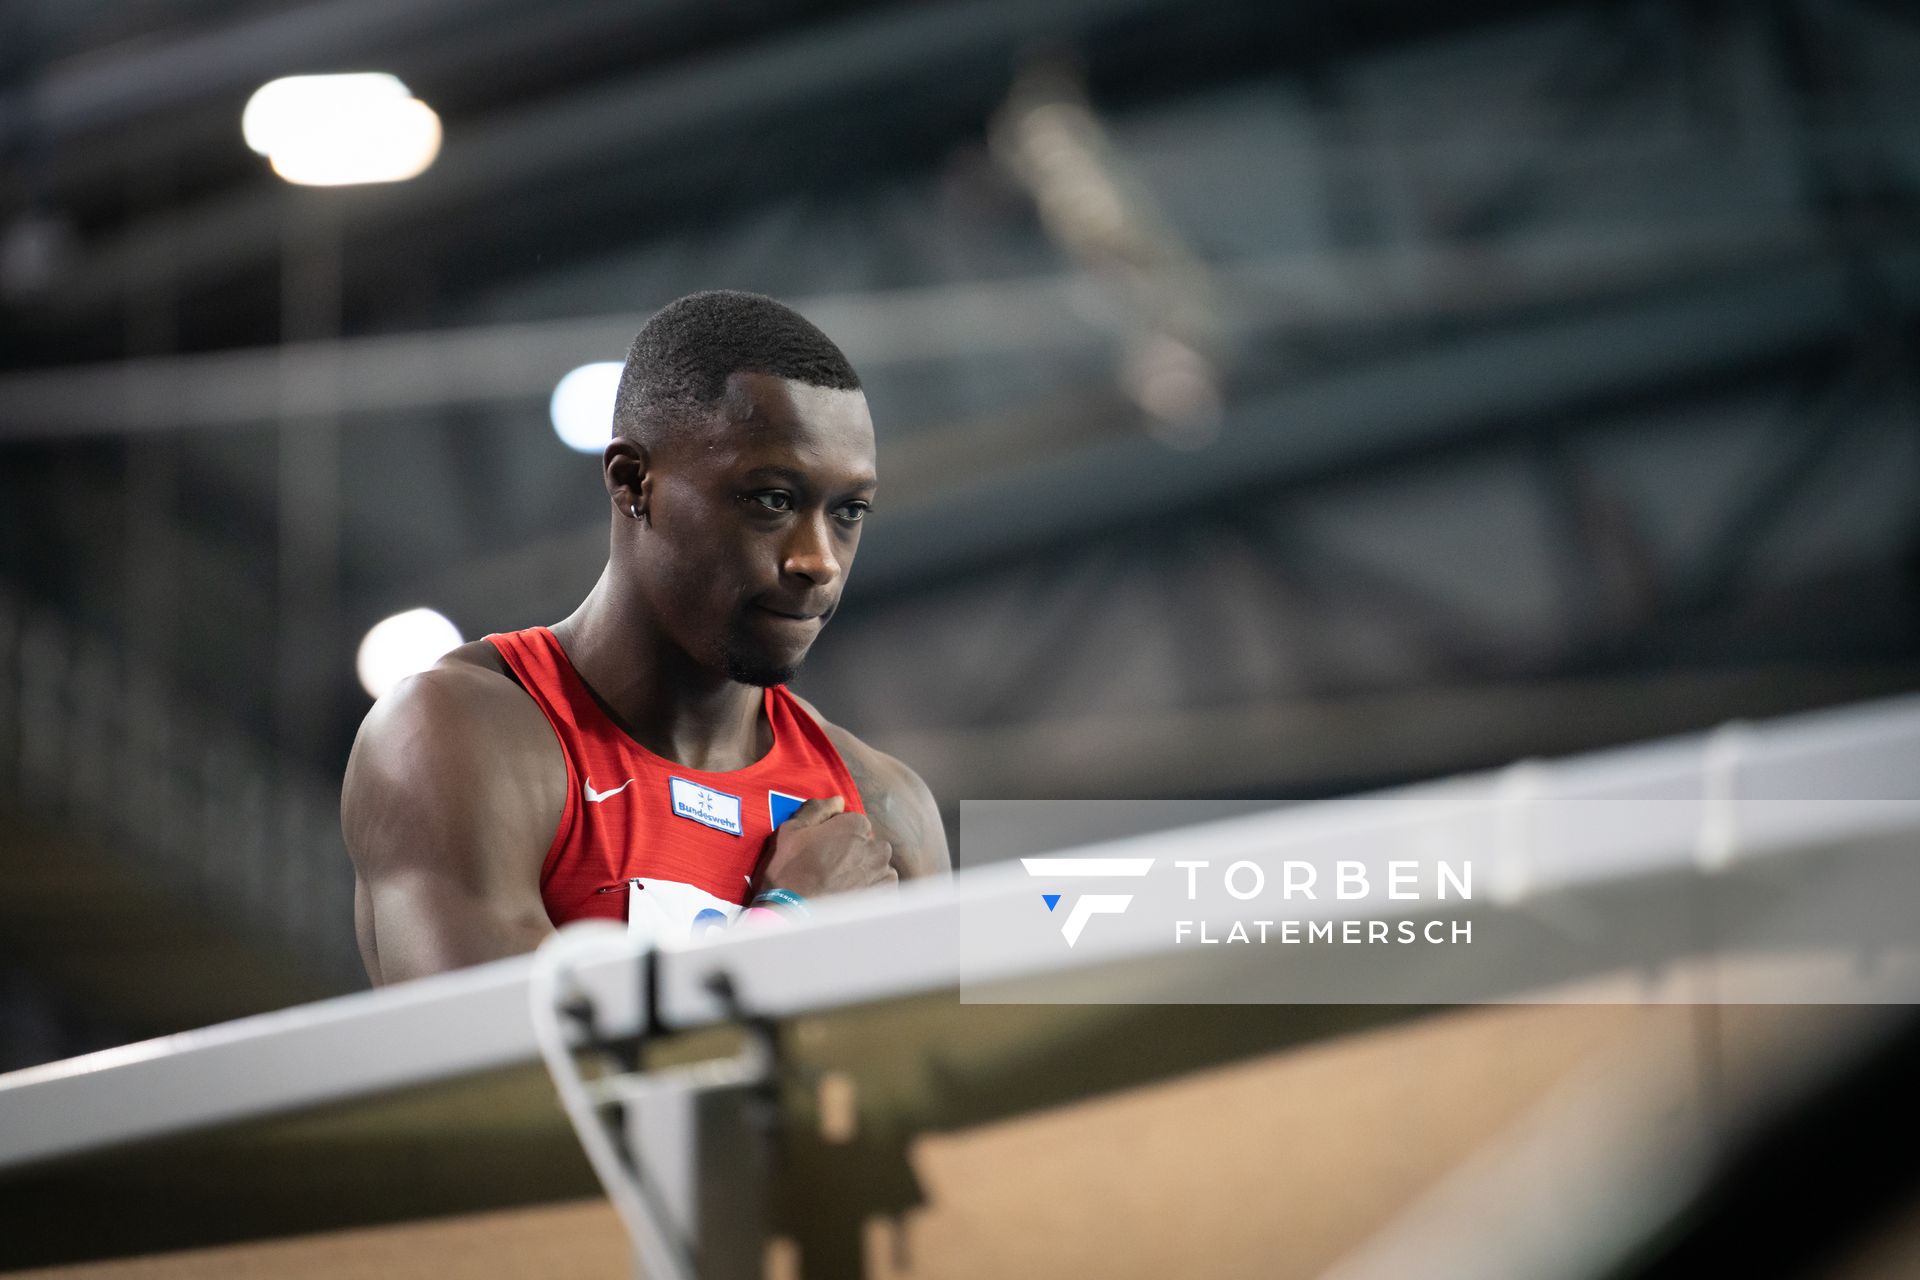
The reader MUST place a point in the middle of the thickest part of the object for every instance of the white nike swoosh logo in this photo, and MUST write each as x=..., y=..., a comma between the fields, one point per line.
x=595, y=797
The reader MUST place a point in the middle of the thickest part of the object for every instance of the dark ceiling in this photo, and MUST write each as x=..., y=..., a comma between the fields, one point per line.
x=1441, y=238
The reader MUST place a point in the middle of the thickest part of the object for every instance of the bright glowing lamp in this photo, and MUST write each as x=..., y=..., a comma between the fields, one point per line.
x=582, y=406
x=397, y=647
x=341, y=130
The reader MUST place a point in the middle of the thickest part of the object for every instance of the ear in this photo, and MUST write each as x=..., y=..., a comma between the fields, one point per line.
x=628, y=470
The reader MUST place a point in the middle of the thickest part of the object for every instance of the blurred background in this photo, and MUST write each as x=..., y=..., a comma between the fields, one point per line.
x=1275, y=400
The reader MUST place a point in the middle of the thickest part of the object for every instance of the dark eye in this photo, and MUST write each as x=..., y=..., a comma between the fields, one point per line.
x=773, y=499
x=853, y=512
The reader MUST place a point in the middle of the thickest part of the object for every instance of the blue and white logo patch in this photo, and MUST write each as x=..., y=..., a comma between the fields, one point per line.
x=781, y=806
x=706, y=806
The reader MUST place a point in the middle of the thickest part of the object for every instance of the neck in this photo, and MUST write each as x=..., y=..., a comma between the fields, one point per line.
x=654, y=690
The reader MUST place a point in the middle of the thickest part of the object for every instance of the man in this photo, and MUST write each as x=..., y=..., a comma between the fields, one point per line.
x=643, y=760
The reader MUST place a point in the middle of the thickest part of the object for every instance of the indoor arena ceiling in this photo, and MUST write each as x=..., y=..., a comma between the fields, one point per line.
x=1107, y=266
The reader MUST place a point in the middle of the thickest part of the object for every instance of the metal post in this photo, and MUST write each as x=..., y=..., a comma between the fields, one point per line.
x=699, y=1144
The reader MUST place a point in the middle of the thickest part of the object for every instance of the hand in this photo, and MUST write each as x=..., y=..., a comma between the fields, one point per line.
x=824, y=849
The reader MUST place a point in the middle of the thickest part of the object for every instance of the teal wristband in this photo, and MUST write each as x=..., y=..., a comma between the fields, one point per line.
x=781, y=898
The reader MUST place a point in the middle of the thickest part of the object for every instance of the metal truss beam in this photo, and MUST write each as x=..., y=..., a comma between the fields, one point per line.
x=96, y=92
x=627, y=118
x=1009, y=503
x=1373, y=413
x=1278, y=294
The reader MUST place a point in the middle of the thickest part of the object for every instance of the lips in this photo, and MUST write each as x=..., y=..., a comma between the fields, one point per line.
x=801, y=608
x=790, y=616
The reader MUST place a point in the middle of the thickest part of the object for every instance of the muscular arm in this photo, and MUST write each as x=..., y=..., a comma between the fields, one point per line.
x=899, y=804
x=452, y=796
x=904, y=810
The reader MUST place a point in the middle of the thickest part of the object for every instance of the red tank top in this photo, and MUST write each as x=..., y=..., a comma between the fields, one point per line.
x=637, y=820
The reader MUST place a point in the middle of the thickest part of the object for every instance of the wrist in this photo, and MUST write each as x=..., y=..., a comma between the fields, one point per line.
x=785, y=901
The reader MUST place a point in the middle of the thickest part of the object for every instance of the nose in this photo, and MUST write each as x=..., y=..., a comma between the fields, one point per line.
x=809, y=551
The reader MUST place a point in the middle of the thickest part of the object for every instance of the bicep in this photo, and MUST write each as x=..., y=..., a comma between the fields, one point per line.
x=900, y=805
x=447, y=820
x=363, y=929
x=429, y=922
x=926, y=852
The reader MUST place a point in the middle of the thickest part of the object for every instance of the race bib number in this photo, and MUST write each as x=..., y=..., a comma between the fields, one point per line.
x=669, y=911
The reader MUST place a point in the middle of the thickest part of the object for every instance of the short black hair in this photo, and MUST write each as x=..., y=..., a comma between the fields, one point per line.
x=679, y=364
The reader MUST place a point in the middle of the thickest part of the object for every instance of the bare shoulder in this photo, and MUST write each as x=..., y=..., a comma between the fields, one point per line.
x=469, y=689
x=481, y=656
x=460, y=745
x=899, y=803
x=453, y=795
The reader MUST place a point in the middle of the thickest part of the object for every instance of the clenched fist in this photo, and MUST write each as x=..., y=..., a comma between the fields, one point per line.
x=824, y=849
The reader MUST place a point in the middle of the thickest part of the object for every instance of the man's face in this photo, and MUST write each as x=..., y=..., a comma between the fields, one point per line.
x=756, y=516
